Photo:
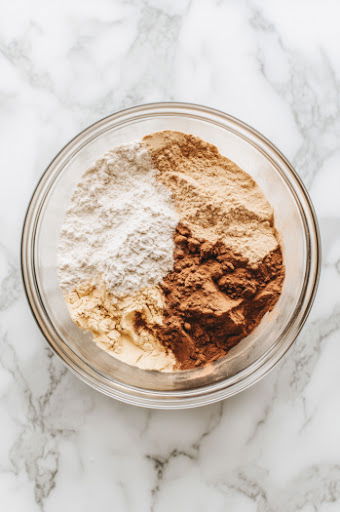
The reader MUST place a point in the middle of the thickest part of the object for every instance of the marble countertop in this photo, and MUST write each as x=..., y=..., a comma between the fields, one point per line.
x=275, y=65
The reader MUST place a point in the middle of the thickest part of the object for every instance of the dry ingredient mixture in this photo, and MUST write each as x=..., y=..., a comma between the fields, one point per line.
x=168, y=253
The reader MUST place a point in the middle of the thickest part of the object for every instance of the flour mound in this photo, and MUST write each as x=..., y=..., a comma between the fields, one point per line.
x=119, y=225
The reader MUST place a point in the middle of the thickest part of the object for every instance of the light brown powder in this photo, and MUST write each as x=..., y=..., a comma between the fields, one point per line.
x=214, y=197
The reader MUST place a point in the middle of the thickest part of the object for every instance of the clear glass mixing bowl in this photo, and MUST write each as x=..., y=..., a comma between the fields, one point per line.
x=254, y=356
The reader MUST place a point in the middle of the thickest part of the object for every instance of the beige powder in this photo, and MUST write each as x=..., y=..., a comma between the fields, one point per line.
x=214, y=197
x=114, y=324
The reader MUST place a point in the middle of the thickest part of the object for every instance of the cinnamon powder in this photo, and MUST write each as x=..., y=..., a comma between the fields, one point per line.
x=214, y=298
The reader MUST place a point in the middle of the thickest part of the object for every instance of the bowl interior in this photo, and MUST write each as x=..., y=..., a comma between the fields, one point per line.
x=237, y=144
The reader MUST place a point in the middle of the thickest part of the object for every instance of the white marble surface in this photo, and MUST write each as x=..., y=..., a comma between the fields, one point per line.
x=63, y=65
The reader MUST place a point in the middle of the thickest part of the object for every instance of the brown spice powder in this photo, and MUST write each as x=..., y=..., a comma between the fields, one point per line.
x=228, y=269
x=214, y=298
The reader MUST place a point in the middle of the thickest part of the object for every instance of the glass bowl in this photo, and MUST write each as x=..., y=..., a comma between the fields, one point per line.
x=255, y=355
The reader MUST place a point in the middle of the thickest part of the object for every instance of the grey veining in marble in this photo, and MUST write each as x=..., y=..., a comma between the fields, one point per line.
x=275, y=65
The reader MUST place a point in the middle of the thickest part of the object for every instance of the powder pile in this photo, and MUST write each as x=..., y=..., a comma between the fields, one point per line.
x=119, y=225
x=123, y=326
x=213, y=196
x=168, y=254
x=214, y=298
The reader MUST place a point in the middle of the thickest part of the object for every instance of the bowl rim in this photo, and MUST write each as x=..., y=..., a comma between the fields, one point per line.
x=205, y=394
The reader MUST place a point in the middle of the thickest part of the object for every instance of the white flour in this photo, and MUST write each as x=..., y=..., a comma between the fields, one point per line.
x=119, y=225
